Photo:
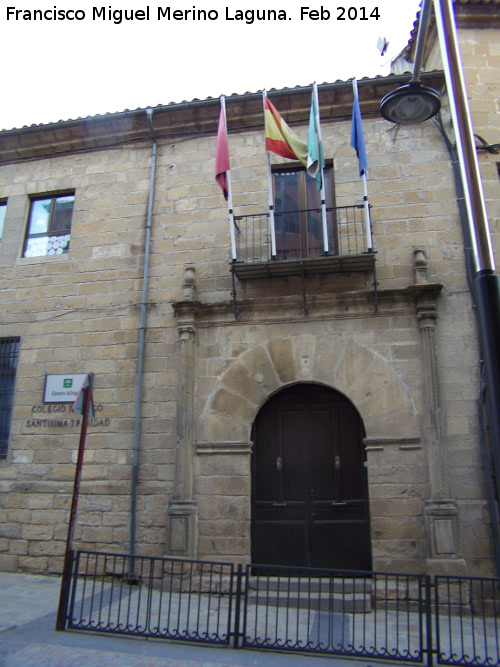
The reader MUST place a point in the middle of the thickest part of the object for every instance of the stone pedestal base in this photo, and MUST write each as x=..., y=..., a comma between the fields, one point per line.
x=182, y=531
x=441, y=518
x=453, y=567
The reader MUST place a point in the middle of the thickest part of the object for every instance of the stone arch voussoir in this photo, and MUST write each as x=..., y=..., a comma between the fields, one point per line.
x=363, y=376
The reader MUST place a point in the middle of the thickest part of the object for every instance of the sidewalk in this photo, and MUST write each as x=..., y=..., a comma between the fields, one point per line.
x=28, y=606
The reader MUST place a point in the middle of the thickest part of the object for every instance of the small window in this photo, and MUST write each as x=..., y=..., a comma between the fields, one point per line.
x=3, y=208
x=49, y=226
x=298, y=217
x=9, y=353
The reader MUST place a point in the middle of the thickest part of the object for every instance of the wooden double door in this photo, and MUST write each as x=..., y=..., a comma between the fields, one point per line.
x=309, y=482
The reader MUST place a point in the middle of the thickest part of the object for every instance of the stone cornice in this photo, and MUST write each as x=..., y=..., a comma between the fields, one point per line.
x=478, y=14
x=427, y=291
x=186, y=311
x=327, y=305
x=211, y=448
x=468, y=14
x=191, y=119
x=409, y=443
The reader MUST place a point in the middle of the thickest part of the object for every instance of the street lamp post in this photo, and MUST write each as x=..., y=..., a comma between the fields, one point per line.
x=486, y=282
x=412, y=104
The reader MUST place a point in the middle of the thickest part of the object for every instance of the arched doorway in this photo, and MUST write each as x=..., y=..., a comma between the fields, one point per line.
x=309, y=482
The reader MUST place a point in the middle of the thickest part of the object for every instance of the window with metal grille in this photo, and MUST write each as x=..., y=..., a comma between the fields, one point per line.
x=49, y=226
x=9, y=354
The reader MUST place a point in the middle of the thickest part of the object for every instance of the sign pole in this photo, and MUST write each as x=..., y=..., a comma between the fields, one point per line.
x=68, y=556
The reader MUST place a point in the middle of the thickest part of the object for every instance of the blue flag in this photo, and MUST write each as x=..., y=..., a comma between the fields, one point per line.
x=315, y=157
x=357, y=136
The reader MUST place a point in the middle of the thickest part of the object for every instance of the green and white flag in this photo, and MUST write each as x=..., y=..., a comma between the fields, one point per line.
x=315, y=157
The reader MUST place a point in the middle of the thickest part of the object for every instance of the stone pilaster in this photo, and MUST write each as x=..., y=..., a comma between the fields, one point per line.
x=441, y=514
x=182, y=538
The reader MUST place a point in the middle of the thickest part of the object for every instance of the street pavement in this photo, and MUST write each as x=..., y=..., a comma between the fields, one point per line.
x=28, y=606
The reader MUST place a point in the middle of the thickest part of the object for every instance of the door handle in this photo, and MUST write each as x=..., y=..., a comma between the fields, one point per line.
x=279, y=463
x=338, y=463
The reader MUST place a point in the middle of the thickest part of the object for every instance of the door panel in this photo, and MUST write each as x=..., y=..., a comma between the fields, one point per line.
x=340, y=545
x=309, y=488
x=323, y=475
x=353, y=474
x=279, y=520
x=290, y=465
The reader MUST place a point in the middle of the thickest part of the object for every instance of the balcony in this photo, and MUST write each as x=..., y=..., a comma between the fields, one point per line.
x=299, y=243
x=302, y=243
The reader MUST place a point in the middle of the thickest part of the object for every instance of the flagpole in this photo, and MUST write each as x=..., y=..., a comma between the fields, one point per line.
x=229, y=191
x=368, y=231
x=322, y=193
x=270, y=190
x=369, y=242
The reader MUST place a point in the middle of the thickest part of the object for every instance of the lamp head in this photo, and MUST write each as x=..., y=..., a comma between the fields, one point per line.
x=411, y=103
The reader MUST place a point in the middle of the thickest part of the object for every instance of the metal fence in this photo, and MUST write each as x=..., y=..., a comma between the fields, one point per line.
x=386, y=616
x=151, y=597
x=467, y=612
x=362, y=614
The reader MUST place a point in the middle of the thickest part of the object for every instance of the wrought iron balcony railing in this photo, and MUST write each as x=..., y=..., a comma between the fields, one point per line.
x=299, y=236
x=302, y=242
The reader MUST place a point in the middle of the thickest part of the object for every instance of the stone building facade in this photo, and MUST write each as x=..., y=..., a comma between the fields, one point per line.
x=312, y=410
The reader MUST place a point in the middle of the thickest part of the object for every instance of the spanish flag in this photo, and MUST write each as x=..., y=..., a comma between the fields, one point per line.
x=279, y=137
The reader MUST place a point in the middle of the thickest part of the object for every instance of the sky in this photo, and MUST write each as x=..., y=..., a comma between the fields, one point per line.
x=80, y=59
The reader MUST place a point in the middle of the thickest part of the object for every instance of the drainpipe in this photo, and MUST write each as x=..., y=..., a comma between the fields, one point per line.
x=142, y=343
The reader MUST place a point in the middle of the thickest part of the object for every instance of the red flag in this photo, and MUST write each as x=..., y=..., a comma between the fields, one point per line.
x=222, y=155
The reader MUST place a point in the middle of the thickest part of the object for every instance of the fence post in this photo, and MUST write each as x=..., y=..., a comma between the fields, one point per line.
x=237, y=607
x=428, y=619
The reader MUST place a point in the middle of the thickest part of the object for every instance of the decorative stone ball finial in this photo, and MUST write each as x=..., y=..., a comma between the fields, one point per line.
x=420, y=266
x=189, y=284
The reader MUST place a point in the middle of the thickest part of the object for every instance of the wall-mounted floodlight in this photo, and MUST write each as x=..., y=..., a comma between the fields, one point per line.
x=411, y=103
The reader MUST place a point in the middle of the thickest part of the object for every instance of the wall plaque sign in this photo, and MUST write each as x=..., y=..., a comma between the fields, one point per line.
x=62, y=388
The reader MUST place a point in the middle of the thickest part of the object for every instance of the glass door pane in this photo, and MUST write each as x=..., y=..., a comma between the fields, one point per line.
x=287, y=218
x=315, y=240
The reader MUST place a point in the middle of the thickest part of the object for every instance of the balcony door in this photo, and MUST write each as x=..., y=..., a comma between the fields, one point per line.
x=298, y=222
x=309, y=483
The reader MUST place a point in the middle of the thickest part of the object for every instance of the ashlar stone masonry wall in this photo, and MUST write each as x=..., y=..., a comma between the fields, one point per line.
x=81, y=312
x=76, y=313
